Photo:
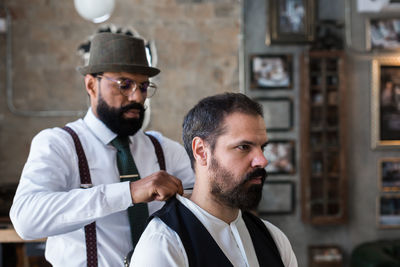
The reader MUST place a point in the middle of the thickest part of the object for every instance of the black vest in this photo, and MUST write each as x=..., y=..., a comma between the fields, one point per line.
x=201, y=248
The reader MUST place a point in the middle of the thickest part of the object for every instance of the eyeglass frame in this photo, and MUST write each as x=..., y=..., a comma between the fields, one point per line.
x=126, y=92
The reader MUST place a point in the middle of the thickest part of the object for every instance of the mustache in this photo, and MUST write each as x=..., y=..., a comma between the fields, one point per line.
x=133, y=105
x=256, y=173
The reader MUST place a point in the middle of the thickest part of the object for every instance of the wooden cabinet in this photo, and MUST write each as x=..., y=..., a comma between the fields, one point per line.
x=323, y=164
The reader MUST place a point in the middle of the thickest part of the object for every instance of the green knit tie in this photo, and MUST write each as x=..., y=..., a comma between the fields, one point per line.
x=138, y=213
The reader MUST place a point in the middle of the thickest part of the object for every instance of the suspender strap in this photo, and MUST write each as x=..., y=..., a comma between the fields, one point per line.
x=86, y=182
x=159, y=152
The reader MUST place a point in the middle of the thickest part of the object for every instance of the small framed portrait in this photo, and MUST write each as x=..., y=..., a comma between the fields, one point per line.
x=388, y=211
x=281, y=157
x=325, y=255
x=378, y=6
x=389, y=173
x=271, y=71
x=385, y=103
x=277, y=198
x=278, y=113
x=383, y=34
x=291, y=21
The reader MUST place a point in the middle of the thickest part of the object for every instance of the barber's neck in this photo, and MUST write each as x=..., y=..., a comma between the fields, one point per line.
x=202, y=197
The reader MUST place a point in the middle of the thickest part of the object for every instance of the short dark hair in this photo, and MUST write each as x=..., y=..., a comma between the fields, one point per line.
x=205, y=119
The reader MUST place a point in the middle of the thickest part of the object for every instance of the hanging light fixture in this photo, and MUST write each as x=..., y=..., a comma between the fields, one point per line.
x=96, y=11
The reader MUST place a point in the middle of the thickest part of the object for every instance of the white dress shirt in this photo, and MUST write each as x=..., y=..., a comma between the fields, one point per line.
x=161, y=246
x=49, y=201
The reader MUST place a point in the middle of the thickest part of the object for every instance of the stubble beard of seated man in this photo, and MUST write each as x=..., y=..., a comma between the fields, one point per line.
x=243, y=196
x=220, y=189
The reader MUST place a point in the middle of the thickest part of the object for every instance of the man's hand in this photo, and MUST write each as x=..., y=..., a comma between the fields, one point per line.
x=157, y=186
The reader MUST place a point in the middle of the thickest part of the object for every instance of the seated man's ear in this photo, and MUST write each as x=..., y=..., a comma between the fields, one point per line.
x=199, y=149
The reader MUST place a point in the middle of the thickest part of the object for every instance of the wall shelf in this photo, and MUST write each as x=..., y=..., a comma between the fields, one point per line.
x=323, y=176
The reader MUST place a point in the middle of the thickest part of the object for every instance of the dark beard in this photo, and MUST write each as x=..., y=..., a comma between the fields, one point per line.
x=114, y=119
x=241, y=196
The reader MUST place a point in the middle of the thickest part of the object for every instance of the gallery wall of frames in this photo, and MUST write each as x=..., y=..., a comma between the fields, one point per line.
x=383, y=41
x=273, y=83
x=302, y=79
x=385, y=129
x=323, y=89
x=274, y=72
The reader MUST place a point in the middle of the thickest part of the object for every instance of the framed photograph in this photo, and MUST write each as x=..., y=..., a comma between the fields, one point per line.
x=389, y=173
x=291, y=21
x=281, y=157
x=388, y=211
x=378, y=6
x=278, y=113
x=385, y=103
x=277, y=198
x=325, y=255
x=383, y=34
x=271, y=71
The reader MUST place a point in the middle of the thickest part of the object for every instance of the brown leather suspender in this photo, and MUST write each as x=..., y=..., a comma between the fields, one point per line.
x=159, y=152
x=86, y=182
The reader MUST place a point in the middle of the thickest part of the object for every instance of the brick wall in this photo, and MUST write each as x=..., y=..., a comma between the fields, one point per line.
x=197, y=45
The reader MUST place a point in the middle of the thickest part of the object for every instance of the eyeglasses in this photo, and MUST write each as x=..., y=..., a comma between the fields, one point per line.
x=127, y=86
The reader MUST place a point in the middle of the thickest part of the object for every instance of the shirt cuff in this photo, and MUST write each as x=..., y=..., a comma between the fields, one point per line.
x=119, y=193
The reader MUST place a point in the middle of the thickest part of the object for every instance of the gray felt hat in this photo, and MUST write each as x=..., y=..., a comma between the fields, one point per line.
x=113, y=52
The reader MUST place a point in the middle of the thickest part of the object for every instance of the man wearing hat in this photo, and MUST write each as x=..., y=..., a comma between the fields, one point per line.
x=90, y=186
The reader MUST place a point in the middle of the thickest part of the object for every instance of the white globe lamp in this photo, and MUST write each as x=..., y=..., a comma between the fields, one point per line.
x=96, y=11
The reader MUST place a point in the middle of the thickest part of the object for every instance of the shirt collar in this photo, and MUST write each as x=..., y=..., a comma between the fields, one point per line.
x=98, y=128
x=205, y=215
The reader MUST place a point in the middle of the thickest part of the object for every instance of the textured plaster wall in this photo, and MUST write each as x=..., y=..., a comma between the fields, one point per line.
x=362, y=161
x=197, y=44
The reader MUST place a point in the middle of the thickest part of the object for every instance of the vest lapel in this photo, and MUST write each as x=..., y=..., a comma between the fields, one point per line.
x=201, y=248
x=264, y=245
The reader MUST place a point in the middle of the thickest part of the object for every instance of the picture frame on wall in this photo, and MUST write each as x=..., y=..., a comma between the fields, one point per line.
x=281, y=157
x=291, y=21
x=277, y=198
x=389, y=173
x=385, y=103
x=388, y=211
x=325, y=255
x=378, y=6
x=383, y=34
x=271, y=71
x=278, y=113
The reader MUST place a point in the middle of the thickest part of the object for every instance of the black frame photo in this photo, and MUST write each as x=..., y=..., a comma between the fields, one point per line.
x=278, y=113
x=388, y=211
x=325, y=255
x=383, y=34
x=277, y=198
x=281, y=157
x=271, y=71
x=385, y=102
x=389, y=173
x=291, y=21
